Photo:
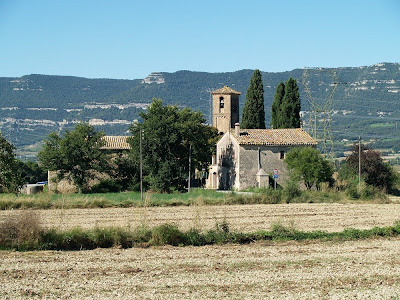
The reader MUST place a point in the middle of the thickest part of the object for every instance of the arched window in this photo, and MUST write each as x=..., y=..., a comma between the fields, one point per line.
x=221, y=102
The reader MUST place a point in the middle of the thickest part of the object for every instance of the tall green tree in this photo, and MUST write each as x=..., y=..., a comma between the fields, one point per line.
x=253, y=116
x=11, y=179
x=276, y=109
x=168, y=134
x=285, y=110
x=308, y=164
x=291, y=105
x=76, y=156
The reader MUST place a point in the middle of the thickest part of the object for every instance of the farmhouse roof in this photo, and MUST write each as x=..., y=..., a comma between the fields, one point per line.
x=117, y=142
x=274, y=137
x=226, y=90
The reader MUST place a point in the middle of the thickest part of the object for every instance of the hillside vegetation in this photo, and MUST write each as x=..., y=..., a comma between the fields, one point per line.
x=366, y=101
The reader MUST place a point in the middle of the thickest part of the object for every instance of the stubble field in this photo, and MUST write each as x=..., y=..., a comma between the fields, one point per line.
x=262, y=270
x=243, y=218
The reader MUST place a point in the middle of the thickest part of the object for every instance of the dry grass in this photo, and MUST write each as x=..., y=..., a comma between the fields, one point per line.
x=242, y=218
x=20, y=230
x=263, y=270
x=292, y=270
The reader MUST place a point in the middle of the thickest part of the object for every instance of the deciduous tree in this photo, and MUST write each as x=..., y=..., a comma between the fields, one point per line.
x=168, y=133
x=10, y=175
x=374, y=170
x=308, y=163
x=76, y=155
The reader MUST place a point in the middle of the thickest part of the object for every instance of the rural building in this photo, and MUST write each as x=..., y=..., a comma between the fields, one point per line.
x=248, y=157
x=115, y=144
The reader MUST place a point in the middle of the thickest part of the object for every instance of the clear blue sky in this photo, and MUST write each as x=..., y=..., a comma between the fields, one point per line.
x=130, y=39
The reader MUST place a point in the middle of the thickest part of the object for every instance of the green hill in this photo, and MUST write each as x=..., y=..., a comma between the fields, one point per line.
x=366, y=101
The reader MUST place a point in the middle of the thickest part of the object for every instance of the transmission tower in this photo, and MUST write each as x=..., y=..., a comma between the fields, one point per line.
x=320, y=123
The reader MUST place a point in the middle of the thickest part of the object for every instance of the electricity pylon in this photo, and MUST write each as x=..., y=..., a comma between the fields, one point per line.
x=320, y=124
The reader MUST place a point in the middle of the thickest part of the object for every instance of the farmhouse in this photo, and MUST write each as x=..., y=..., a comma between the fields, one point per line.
x=116, y=145
x=248, y=157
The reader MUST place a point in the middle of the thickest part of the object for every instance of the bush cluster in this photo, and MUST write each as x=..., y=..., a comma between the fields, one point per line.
x=24, y=232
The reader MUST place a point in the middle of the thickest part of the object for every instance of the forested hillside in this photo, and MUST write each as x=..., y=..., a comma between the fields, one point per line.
x=366, y=101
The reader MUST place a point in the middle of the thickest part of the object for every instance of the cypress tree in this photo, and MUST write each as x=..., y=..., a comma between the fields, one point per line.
x=291, y=105
x=253, y=116
x=276, y=109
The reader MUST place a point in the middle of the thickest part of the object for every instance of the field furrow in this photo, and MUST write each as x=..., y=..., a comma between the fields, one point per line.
x=245, y=218
x=292, y=270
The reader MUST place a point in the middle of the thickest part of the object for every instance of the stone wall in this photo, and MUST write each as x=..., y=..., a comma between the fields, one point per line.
x=271, y=157
x=226, y=117
x=228, y=163
x=65, y=187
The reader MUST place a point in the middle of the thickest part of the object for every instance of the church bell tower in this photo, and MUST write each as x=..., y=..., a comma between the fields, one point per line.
x=225, y=108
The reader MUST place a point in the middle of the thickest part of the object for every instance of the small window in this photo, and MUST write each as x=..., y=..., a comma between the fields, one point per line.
x=282, y=155
x=221, y=102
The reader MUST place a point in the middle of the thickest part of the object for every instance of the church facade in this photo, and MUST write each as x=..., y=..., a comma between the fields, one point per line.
x=249, y=157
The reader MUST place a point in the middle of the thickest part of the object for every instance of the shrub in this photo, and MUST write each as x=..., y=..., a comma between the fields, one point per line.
x=291, y=191
x=195, y=238
x=279, y=231
x=272, y=196
x=104, y=237
x=77, y=239
x=21, y=232
x=220, y=235
x=166, y=234
x=141, y=235
x=106, y=186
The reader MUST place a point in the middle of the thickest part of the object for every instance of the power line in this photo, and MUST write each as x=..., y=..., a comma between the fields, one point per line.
x=323, y=109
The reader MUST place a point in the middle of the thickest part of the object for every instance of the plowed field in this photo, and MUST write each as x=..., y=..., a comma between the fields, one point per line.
x=264, y=270
x=350, y=270
x=244, y=218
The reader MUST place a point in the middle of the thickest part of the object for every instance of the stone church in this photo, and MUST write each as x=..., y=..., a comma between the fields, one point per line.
x=248, y=157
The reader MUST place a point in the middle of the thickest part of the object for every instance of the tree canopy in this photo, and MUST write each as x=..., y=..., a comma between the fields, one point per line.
x=285, y=111
x=76, y=155
x=374, y=170
x=307, y=163
x=253, y=116
x=11, y=178
x=168, y=133
x=276, y=109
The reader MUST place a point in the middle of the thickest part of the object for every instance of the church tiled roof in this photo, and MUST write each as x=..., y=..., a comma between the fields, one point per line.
x=274, y=137
x=226, y=90
x=116, y=142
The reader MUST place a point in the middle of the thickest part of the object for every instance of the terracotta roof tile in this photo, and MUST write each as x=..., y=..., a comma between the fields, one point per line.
x=275, y=137
x=226, y=90
x=116, y=143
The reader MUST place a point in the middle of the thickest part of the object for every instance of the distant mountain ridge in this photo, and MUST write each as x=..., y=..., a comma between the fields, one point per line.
x=33, y=105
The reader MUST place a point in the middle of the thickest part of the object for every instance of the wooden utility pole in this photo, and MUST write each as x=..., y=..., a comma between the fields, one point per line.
x=141, y=166
x=359, y=163
x=190, y=165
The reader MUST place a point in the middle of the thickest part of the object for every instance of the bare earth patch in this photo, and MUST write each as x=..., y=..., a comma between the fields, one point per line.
x=348, y=270
x=244, y=218
x=264, y=270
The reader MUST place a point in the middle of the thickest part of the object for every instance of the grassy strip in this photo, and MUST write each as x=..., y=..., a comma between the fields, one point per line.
x=195, y=197
x=25, y=234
